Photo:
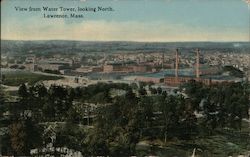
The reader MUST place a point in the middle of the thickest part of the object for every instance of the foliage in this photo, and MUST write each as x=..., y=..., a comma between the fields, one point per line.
x=89, y=120
x=20, y=133
x=233, y=71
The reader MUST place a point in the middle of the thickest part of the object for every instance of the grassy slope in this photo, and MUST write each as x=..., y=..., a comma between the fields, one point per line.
x=15, y=79
x=223, y=143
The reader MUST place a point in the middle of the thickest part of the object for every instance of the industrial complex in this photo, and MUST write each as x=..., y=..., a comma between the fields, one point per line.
x=206, y=75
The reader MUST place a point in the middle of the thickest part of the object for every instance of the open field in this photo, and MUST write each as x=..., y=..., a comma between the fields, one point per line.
x=216, y=146
x=15, y=78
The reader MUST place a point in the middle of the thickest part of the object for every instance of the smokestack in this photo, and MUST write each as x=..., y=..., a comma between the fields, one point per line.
x=162, y=60
x=34, y=59
x=138, y=61
x=176, y=63
x=198, y=63
x=123, y=60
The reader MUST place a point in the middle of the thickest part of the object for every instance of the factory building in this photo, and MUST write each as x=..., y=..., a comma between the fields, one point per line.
x=120, y=68
x=155, y=80
x=199, y=76
x=200, y=73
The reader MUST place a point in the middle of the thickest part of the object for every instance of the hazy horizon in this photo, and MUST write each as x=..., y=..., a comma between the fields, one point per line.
x=128, y=41
x=135, y=21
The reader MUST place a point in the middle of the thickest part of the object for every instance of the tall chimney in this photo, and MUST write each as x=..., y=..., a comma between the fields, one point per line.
x=198, y=63
x=138, y=61
x=123, y=60
x=162, y=60
x=176, y=63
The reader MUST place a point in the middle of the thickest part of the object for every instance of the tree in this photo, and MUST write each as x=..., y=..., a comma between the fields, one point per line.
x=102, y=97
x=59, y=102
x=2, y=101
x=233, y=71
x=142, y=84
x=159, y=90
x=23, y=91
x=24, y=102
x=134, y=86
x=146, y=112
x=172, y=108
x=71, y=136
x=24, y=136
x=153, y=90
x=142, y=91
x=210, y=120
x=117, y=124
x=188, y=121
x=38, y=97
x=196, y=91
x=18, y=137
x=97, y=144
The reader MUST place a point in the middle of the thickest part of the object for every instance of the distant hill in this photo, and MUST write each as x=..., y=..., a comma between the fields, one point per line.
x=68, y=47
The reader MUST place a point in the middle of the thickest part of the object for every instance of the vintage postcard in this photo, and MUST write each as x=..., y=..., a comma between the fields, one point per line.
x=120, y=78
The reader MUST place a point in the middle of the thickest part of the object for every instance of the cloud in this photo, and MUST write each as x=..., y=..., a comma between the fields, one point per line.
x=117, y=31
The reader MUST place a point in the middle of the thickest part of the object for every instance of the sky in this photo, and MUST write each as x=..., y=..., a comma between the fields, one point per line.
x=131, y=20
